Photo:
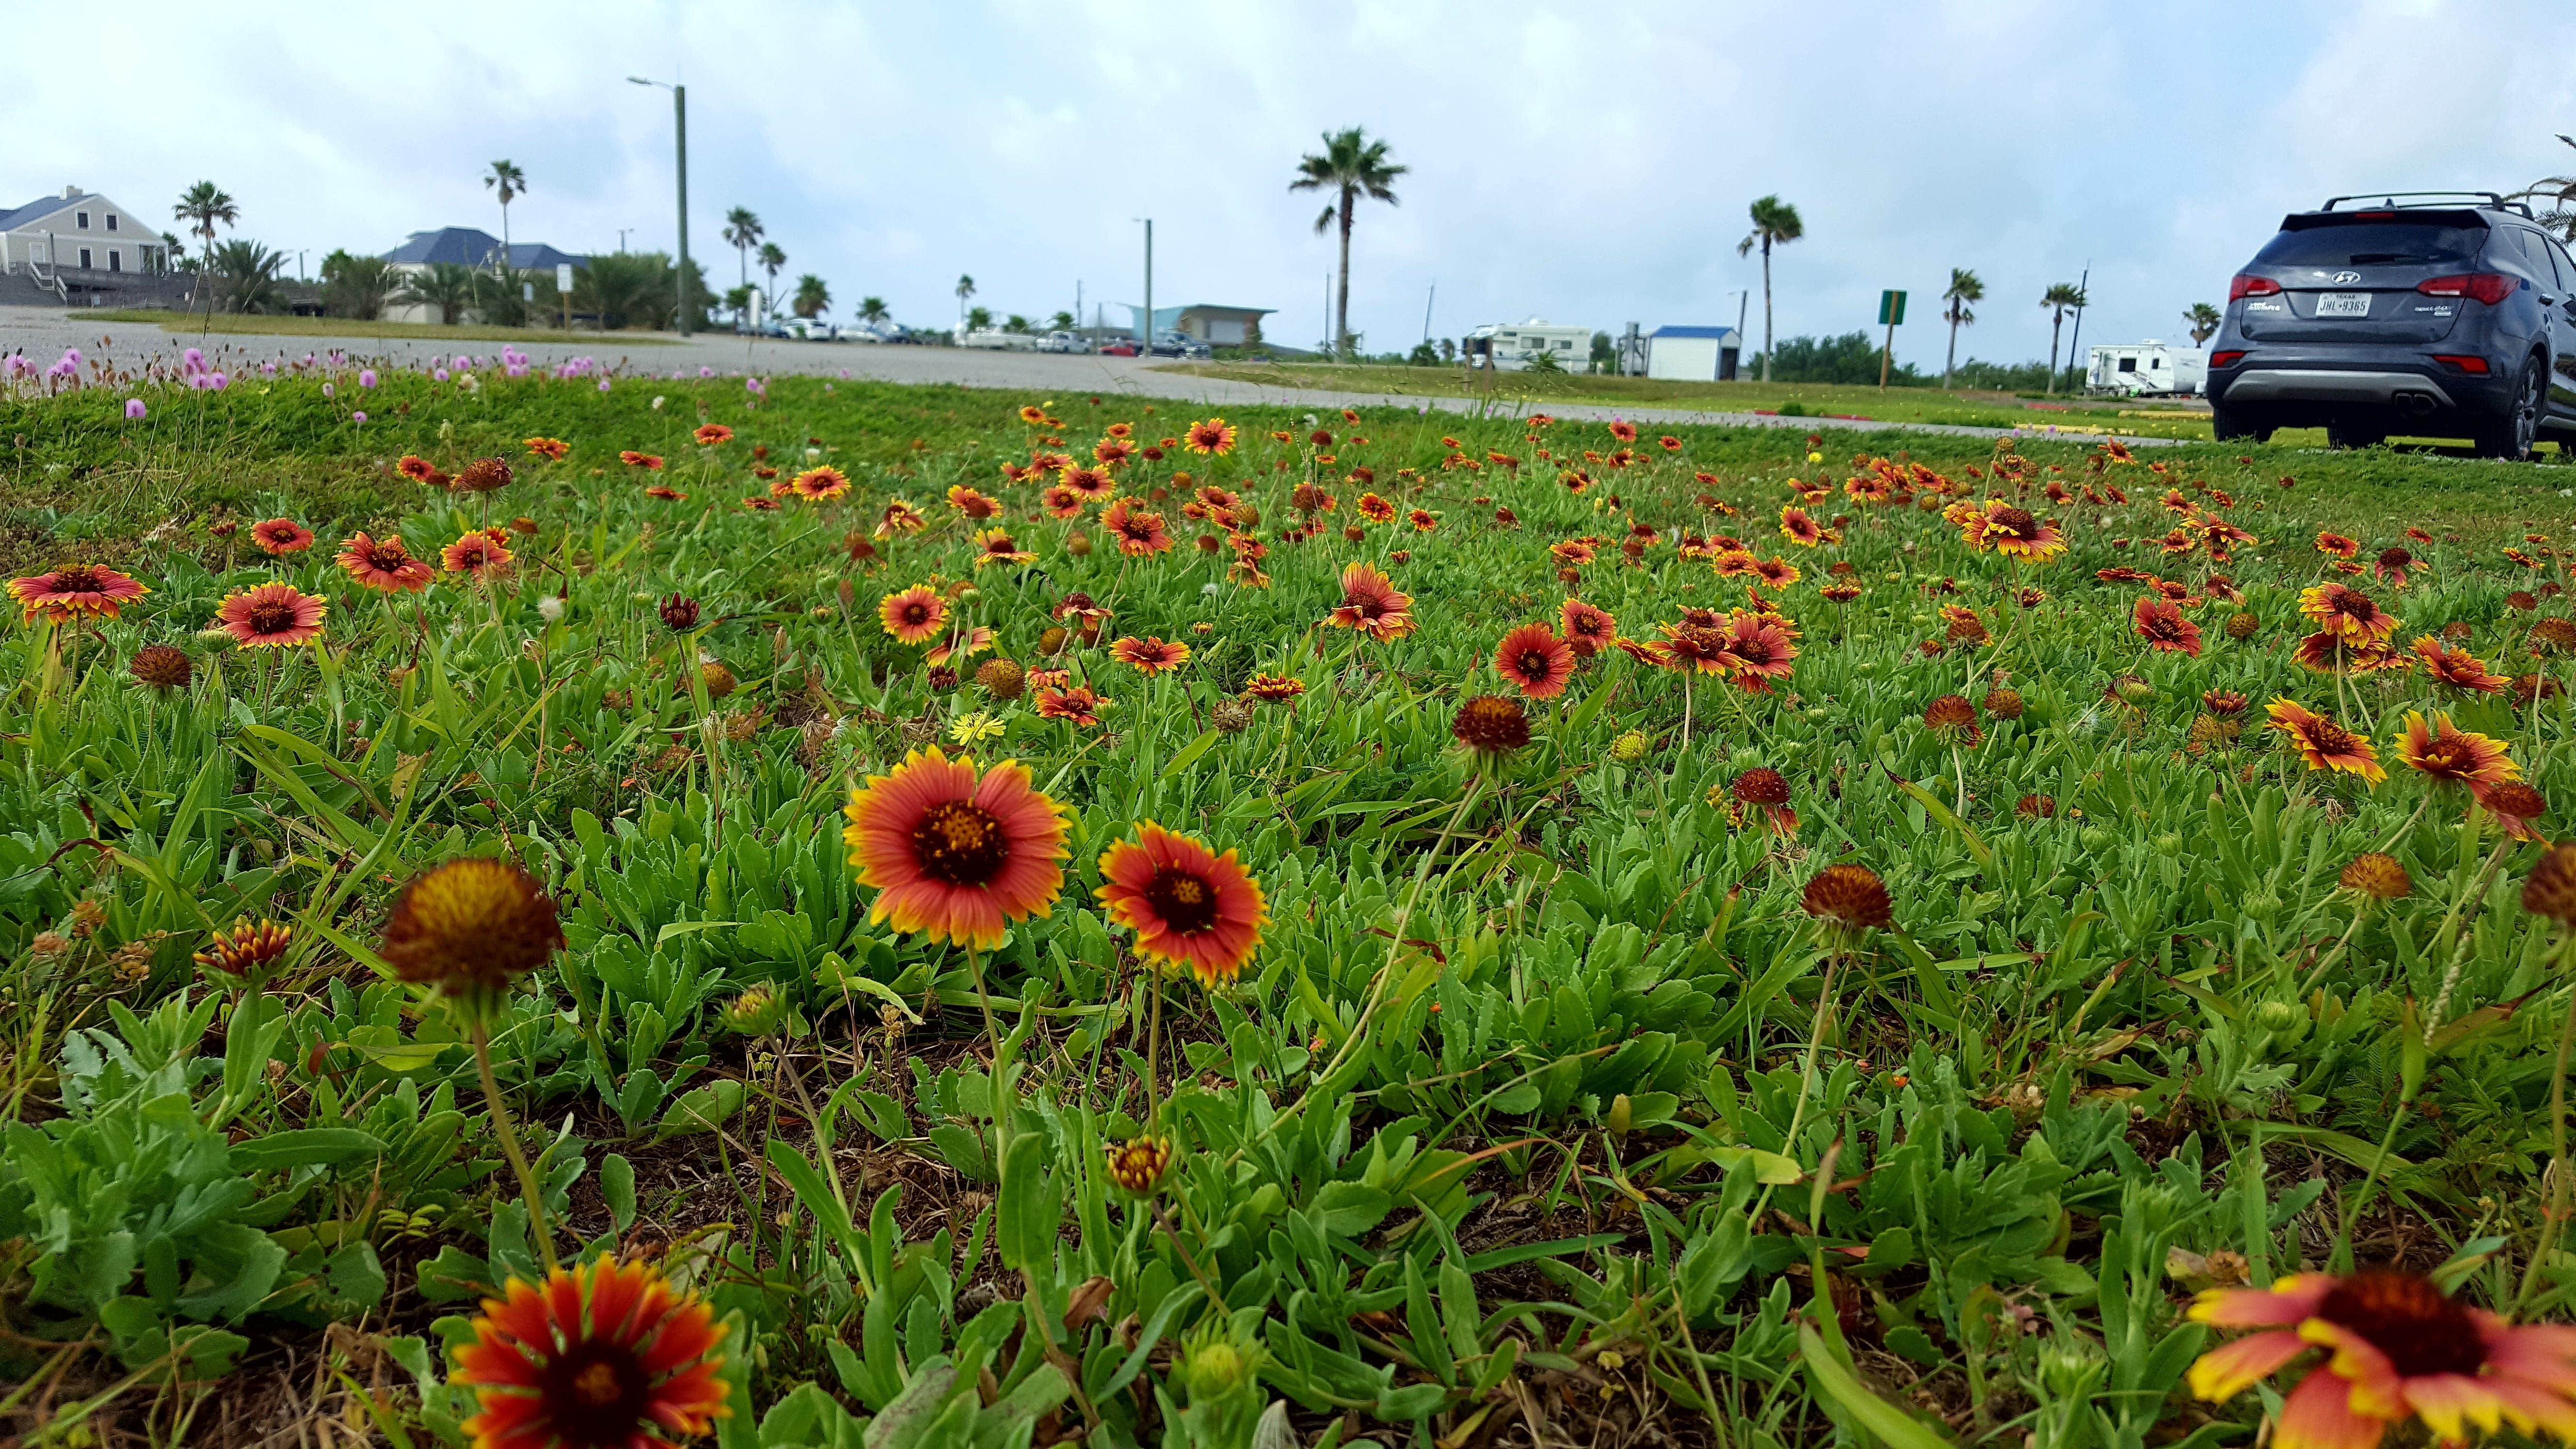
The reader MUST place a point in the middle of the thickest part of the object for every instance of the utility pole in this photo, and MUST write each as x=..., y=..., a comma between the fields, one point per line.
x=621, y=239
x=680, y=139
x=1077, y=304
x=2075, y=348
x=1145, y=323
x=1426, y=309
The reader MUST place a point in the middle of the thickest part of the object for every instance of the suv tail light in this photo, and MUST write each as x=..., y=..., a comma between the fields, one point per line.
x=2487, y=287
x=2252, y=286
x=2229, y=358
x=2476, y=365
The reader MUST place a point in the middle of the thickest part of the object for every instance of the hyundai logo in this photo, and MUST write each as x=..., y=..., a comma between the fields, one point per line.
x=2344, y=278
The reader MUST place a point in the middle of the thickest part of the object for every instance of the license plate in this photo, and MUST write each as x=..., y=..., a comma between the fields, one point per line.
x=2343, y=304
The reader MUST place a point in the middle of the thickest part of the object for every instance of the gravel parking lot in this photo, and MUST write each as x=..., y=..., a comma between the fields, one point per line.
x=42, y=335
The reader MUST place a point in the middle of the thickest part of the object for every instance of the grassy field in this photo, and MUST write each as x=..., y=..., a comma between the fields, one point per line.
x=245, y=324
x=1863, y=992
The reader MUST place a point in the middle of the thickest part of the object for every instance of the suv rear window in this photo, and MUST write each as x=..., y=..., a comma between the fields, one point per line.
x=2365, y=243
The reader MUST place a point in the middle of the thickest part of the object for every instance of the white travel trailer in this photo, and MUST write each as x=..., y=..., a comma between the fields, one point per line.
x=1517, y=345
x=2140, y=369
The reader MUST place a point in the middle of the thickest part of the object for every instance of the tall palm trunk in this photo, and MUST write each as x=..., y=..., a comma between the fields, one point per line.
x=1950, y=364
x=2054, y=323
x=1342, y=281
x=1766, y=309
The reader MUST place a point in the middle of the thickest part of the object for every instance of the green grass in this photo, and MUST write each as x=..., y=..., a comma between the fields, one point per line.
x=1545, y=1077
x=232, y=323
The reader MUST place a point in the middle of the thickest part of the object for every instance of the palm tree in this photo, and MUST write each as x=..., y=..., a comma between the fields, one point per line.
x=978, y=318
x=2560, y=193
x=356, y=286
x=1060, y=322
x=246, y=272
x=1775, y=222
x=2203, y=320
x=873, y=309
x=2060, y=299
x=1351, y=166
x=446, y=286
x=813, y=298
x=965, y=289
x=1964, y=288
x=510, y=183
x=205, y=204
x=737, y=300
x=621, y=287
x=744, y=231
x=772, y=261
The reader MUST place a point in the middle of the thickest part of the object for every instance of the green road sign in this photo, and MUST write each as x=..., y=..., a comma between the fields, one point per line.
x=1891, y=309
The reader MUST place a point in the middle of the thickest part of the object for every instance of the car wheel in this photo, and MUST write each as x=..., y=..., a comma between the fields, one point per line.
x=2510, y=437
x=2354, y=435
x=2227, y=425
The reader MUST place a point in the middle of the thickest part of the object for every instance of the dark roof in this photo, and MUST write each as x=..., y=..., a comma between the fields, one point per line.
x=1720, y=333
x=473, y=247
x=41, y=206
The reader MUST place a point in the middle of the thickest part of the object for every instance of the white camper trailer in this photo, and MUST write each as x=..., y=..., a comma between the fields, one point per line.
x=1517, y=345
x=2143, y=369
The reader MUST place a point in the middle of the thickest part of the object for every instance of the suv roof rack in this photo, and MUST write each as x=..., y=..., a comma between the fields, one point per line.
x=2489, y=199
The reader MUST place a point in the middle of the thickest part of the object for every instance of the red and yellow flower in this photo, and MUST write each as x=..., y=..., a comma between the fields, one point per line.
x=956, y=855
x=75, y=591
x=604, y=1354
x=271, y=616
x=1189, y=907
x=2324, y=744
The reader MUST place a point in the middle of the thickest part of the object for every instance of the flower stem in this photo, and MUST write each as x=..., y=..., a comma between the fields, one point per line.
x=2554, y=1217
x=480, y=1030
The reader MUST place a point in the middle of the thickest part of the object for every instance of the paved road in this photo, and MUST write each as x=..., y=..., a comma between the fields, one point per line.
x=42, y=334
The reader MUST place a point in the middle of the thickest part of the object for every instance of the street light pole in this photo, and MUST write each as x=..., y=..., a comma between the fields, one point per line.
x=1145, y=326
x=680, y=138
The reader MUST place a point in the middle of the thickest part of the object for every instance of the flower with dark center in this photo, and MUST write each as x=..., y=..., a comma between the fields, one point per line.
x=2397, y=1348
x=709, y=435
x=2514, y=804
x=1190, y=908
x=996, y=546
x=2324, y=744
x=632, y=459
x=2521, y=602
x=2392, y=566
x=603, y=1356
x=820, y=484
x=1491, y=724
x=1075, y=706
x=271, y=616
x=1274, y=688
x=1210, y=437
x=2335, y=545
x=2012, y=531
x=2036, y=807
x=2380, y=877
x=162, y=667
x=1137, y=1165
x=1150, y=656
x=418, y=469
x=914, y=615
x=1848, y=897
x=954, y=855
x=553, y=450
x=75, y=591
x=2162, y=625
x=972, y=503
x=1003, y=679
x=475, y=554
x=680, y=613
x=1139, y=531
x=278, y=537
x=483, y=475
x=1797, y=527
x=1372, y=605
x=2448, y=755
x=1588, y=627
x=1535, y=660
x=470, y=927
x=1952, y=718
x=2347, y=613
x=2223, y=702
x=241, y=953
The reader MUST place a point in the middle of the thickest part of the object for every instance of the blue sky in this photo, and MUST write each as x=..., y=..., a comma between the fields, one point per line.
x=1589, y=163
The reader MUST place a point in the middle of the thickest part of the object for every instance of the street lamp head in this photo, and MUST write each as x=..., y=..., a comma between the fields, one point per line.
x=637, y=80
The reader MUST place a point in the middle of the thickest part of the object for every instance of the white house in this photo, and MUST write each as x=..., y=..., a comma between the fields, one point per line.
x=1693, y=354
x=1516, y=346
x=2137, y=368
x=79, y=231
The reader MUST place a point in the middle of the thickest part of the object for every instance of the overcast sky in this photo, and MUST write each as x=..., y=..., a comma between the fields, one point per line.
x=1586, y=162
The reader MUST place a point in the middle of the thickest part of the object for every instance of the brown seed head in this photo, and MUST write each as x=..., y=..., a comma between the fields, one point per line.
x=2036, y=807
x=1850, y=896
x=1051, y=642
x=1491, y=724
x=2377, y=876
x=2004, y=703
x=471, y=927
x=1231, y=716
x=2551, y=888
x=483, y=475
x=719, y=680
x=2243, y=624
x=1002, y=678
x=162, y=667
x=1761, y=787
x=1950, y=716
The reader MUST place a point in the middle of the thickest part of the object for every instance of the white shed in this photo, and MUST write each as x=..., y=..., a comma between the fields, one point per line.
x=1693, y=354
x=2141, y=368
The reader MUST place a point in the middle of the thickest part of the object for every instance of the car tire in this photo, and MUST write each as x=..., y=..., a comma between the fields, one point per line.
x=2355, y=435
x=2227, y=425
x=2510, y=436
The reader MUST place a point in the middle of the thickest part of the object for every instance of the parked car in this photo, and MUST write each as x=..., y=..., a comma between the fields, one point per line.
x=2441, y=314
x=1063, y=341
x=1123, y=347
x=1181, y=344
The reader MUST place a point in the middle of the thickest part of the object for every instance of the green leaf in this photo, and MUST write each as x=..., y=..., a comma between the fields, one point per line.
x=304, y=1147
x=1835, y=1380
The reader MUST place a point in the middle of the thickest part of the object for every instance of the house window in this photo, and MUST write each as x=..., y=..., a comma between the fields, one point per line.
x=84, y=259
x=84, y=219
x=111, y=221
x=115, y=260
x=2128, y=364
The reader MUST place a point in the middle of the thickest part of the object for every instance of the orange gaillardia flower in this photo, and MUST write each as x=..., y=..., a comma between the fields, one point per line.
x=475, y=554
x=604, y=1356
x=1213, y=437
x=1589, y=628
x=1533, y=658
x=1274, y=688
x=2012, y=531
x=1189, y=907
x=278, y=537
x=242, y=951
x=972, y=503
x=633, y=459
x=2160, y=622
x=470, y=927
x=2396, y=1349
x=1137, y=1165
x=1848, y=897
x=818, y=484
x=956, y=856
x=1150, y=656
x=1371, y=604
x=2347, y=613
x=2375, y=875
x=2448, y=755
x=75, y=591
x=271, y=616
x=996, y=546
x=1491, y=724
x=553, y=449
x=914, y=615
x=710, y=434
x=2456, y=668
x=1075, y=706
x=384, y=564
x=2324, y=744
x=2514, y=804
x=1139, y=531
